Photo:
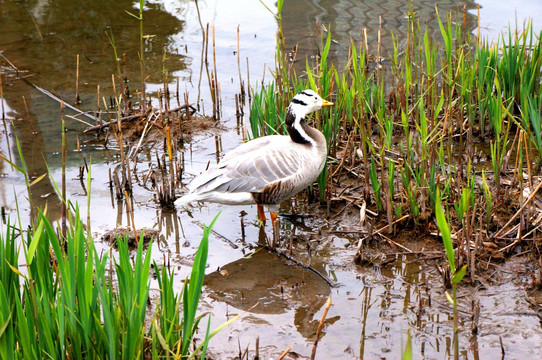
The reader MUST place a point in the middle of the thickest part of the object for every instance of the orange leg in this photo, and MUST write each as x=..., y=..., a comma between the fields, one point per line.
x=273, y=218
x=261, y=213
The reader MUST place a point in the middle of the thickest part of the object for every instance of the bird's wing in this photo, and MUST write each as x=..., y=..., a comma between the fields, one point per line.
x=251, y=146
x=251, y=167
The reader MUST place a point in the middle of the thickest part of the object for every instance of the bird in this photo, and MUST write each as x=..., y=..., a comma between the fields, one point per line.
x=267, y=170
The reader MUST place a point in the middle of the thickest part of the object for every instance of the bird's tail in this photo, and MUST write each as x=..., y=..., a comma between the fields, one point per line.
x=187, y=199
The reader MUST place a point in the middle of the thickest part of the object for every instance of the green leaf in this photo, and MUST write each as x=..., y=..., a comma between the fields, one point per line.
x=5, y=325
x=407, y=353
x=459, y=275
x=445, y=232
x=449, y=297
x=16, y=271
x=192, y=291
x=34, y=243
x=37, y=180
x=19, y=169
x=136, y=16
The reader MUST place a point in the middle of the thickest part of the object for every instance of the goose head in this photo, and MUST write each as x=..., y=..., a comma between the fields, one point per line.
x=301, y=105
x=306, y=102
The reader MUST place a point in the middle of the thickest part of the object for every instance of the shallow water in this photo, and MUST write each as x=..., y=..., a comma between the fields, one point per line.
x=373, y=307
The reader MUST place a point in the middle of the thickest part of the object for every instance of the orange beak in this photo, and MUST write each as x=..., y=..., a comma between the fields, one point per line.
x=326, y=103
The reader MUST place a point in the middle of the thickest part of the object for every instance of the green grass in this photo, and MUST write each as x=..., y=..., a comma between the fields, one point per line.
x=67, y=301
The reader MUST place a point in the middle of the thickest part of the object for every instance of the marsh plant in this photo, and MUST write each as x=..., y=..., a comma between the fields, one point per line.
x=65, y=301
x=422, y=120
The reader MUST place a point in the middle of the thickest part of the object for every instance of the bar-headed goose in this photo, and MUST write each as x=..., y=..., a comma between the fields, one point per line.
x=269, y=169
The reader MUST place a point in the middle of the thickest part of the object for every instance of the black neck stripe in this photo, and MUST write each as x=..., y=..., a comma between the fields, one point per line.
x=297, y=101
x=296, y=135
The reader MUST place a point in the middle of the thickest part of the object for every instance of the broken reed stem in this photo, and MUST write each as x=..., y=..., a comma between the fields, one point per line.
x=124, y=161
x=203, y=52
x=241, y=87
x=77, y=98
x=216, y=90
x=285, y=352
x=177, y=92
x=519, y=212
x=171, y=189
x=379, y=231
x=526, y=143
x=344, y=157
x=63, y=210
x=209, y=79
x=114, y=85
x=2, y=95
x=478, y=17
x=320, y=327
x=131, y=214
x=34, y=130
x=141, y=61
x=379, y=43
x=99, y=111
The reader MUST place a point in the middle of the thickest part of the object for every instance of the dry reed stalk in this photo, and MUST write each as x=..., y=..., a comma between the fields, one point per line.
x=126, y=173
x=131, y=215
x=2, y=95
x=136, y=151
x=171, y=187
x=63, y=210
x=99, y=111
x=187, y=114
x=529, y=169
x=248, y=86
x=106, y=112
x=365, y=41
x=283, y=355
x=320, y=327
x=34, y=130
x=177, y=92
x=384, y=228
x=217, y=96
x=379, y=45
x=344, y=157
x=114, y=85
x=241, y=86
x=77, y=98
x=203, y=52
x=142, y=104
x=529, y=199
x=478, y=18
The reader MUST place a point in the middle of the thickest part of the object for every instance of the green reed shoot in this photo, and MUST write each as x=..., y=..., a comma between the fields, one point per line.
x=498, y=145
x=63, y=304
x=531, y=119
x=192, y=289
x=487, y=197
x=376, y=186
x=458, y=275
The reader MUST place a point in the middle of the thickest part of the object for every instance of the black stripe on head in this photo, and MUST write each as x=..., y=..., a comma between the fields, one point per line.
x=304, y=93
x=297, y=101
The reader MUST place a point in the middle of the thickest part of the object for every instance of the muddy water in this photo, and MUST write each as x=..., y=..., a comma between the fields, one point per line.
x=373, y=306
